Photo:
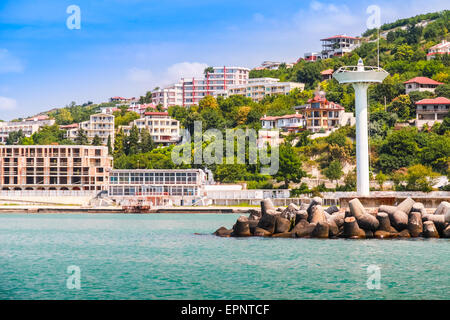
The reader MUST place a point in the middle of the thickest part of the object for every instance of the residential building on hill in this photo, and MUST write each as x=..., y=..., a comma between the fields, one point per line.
x=311, y=56
x=275, y=65
x=100, y=125
x=338, y=45
x=163, y=129
x=323, y=115
x=430, y=111
x=439, y=49
x=189, y=92
x=258, y=88
x=327, y=74
x=421, y=84
x=287, y=123
x=54, y=167
x=28, y=126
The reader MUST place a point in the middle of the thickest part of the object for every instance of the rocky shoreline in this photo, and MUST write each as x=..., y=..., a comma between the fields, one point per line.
x=409, y=219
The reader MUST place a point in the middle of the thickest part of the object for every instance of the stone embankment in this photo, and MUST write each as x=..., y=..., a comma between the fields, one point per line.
x=409, y=219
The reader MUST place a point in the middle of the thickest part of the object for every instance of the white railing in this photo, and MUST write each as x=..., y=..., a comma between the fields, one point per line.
x=47, y=193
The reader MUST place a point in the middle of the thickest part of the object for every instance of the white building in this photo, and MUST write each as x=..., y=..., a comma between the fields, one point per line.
x=287, y=123
x=163, y=129
x=421, y=84
x=275, y=65
x=440, y=48
x=189, y=92
x=258, y=88
x=430, y=111
x=28, y=126
x=100, y=125
x=338, y=45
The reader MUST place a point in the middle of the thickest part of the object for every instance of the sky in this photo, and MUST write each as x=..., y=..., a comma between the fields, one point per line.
x=127, y=47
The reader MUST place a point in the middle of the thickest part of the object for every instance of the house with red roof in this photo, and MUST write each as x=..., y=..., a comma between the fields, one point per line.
x=287, y=123
x=430, y=111
x=439, y=49
x=323, y=115
x=421, y=84
x=327, y=74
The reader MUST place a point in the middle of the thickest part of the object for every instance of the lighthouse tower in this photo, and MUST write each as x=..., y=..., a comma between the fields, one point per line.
x=361, y=77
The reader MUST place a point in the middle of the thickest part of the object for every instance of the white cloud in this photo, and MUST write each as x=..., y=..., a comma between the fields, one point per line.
x=184, y=70
x=9, y=63
x=139, y=75
x=7, y=103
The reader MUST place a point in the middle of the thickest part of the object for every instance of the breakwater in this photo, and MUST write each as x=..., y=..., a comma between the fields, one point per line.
x=408, y=219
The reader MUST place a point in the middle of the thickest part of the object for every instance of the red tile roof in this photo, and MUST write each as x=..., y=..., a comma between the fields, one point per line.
x=423, y=80
x=69, y=126
x=439, y=100
x=327, y=72
x=156, y=113
x=287, y=116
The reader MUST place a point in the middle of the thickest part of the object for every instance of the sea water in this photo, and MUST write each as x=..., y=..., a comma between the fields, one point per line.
x=160, y=256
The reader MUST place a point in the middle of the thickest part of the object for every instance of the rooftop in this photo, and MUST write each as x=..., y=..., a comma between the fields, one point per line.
x=341, y=36
x=423, y=80
x=439, y=100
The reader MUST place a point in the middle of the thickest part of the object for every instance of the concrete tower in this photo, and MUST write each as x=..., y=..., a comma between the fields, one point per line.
x=361, y=77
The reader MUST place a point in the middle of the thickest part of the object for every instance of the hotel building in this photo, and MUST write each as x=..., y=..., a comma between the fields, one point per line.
x=430, y=111
x=28, y=126
x=54, y=167
x=258, y=88
x=421, y=84
x=161, y=187
x=323, y=115
x=288, y=123
x=163, y=129
x=100, y=125
x=189, y=92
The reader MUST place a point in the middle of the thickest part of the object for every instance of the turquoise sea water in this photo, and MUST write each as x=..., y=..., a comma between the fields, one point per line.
x=160, y=257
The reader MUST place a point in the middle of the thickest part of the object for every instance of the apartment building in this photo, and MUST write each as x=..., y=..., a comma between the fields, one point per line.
x=54, y=167
x=190, y=91
x=258, y=88
x=28, y=126
x=275, y=65
x=160, y=186
x=100, y=125
x=163, y=129
x=323, y=115
x=439, y=49
x=430, y=111
x=338, y=45
x=421, y=84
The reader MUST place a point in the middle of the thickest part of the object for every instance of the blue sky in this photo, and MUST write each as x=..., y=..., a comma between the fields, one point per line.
x=126, y=47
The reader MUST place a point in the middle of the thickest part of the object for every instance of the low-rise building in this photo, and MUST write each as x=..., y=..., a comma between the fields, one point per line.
x=439, y=49
x=258, y=88
x=159, y=186
x=275, y=65
x=430, y=111
x=28, y=126
x=100, y=125
x=311, y=56
x=287, y=123
x=327, y=74
x=323, y=115
x=163, y=129
x=338, y=45
x=421, y=84
x=54, y=167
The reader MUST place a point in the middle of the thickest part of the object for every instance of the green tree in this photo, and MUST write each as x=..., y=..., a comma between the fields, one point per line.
x=131, y=144
x=14, y=137
x=290, y=166
x=420, y=178
x=119, y=142
x=443, y=91
x=401, y=106
x=334, y=171
x=147, y=143
x=81, y=138
x=96, y=141
x=109, y=145
x=381, y=179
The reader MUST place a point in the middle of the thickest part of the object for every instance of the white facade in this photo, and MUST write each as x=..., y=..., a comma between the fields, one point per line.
x=258, y=88
x=100, y=125
x=338, y=45
x=440, y=48
x=28, y=127
x=163, y=129
x=189, y=92
x=430, y=111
